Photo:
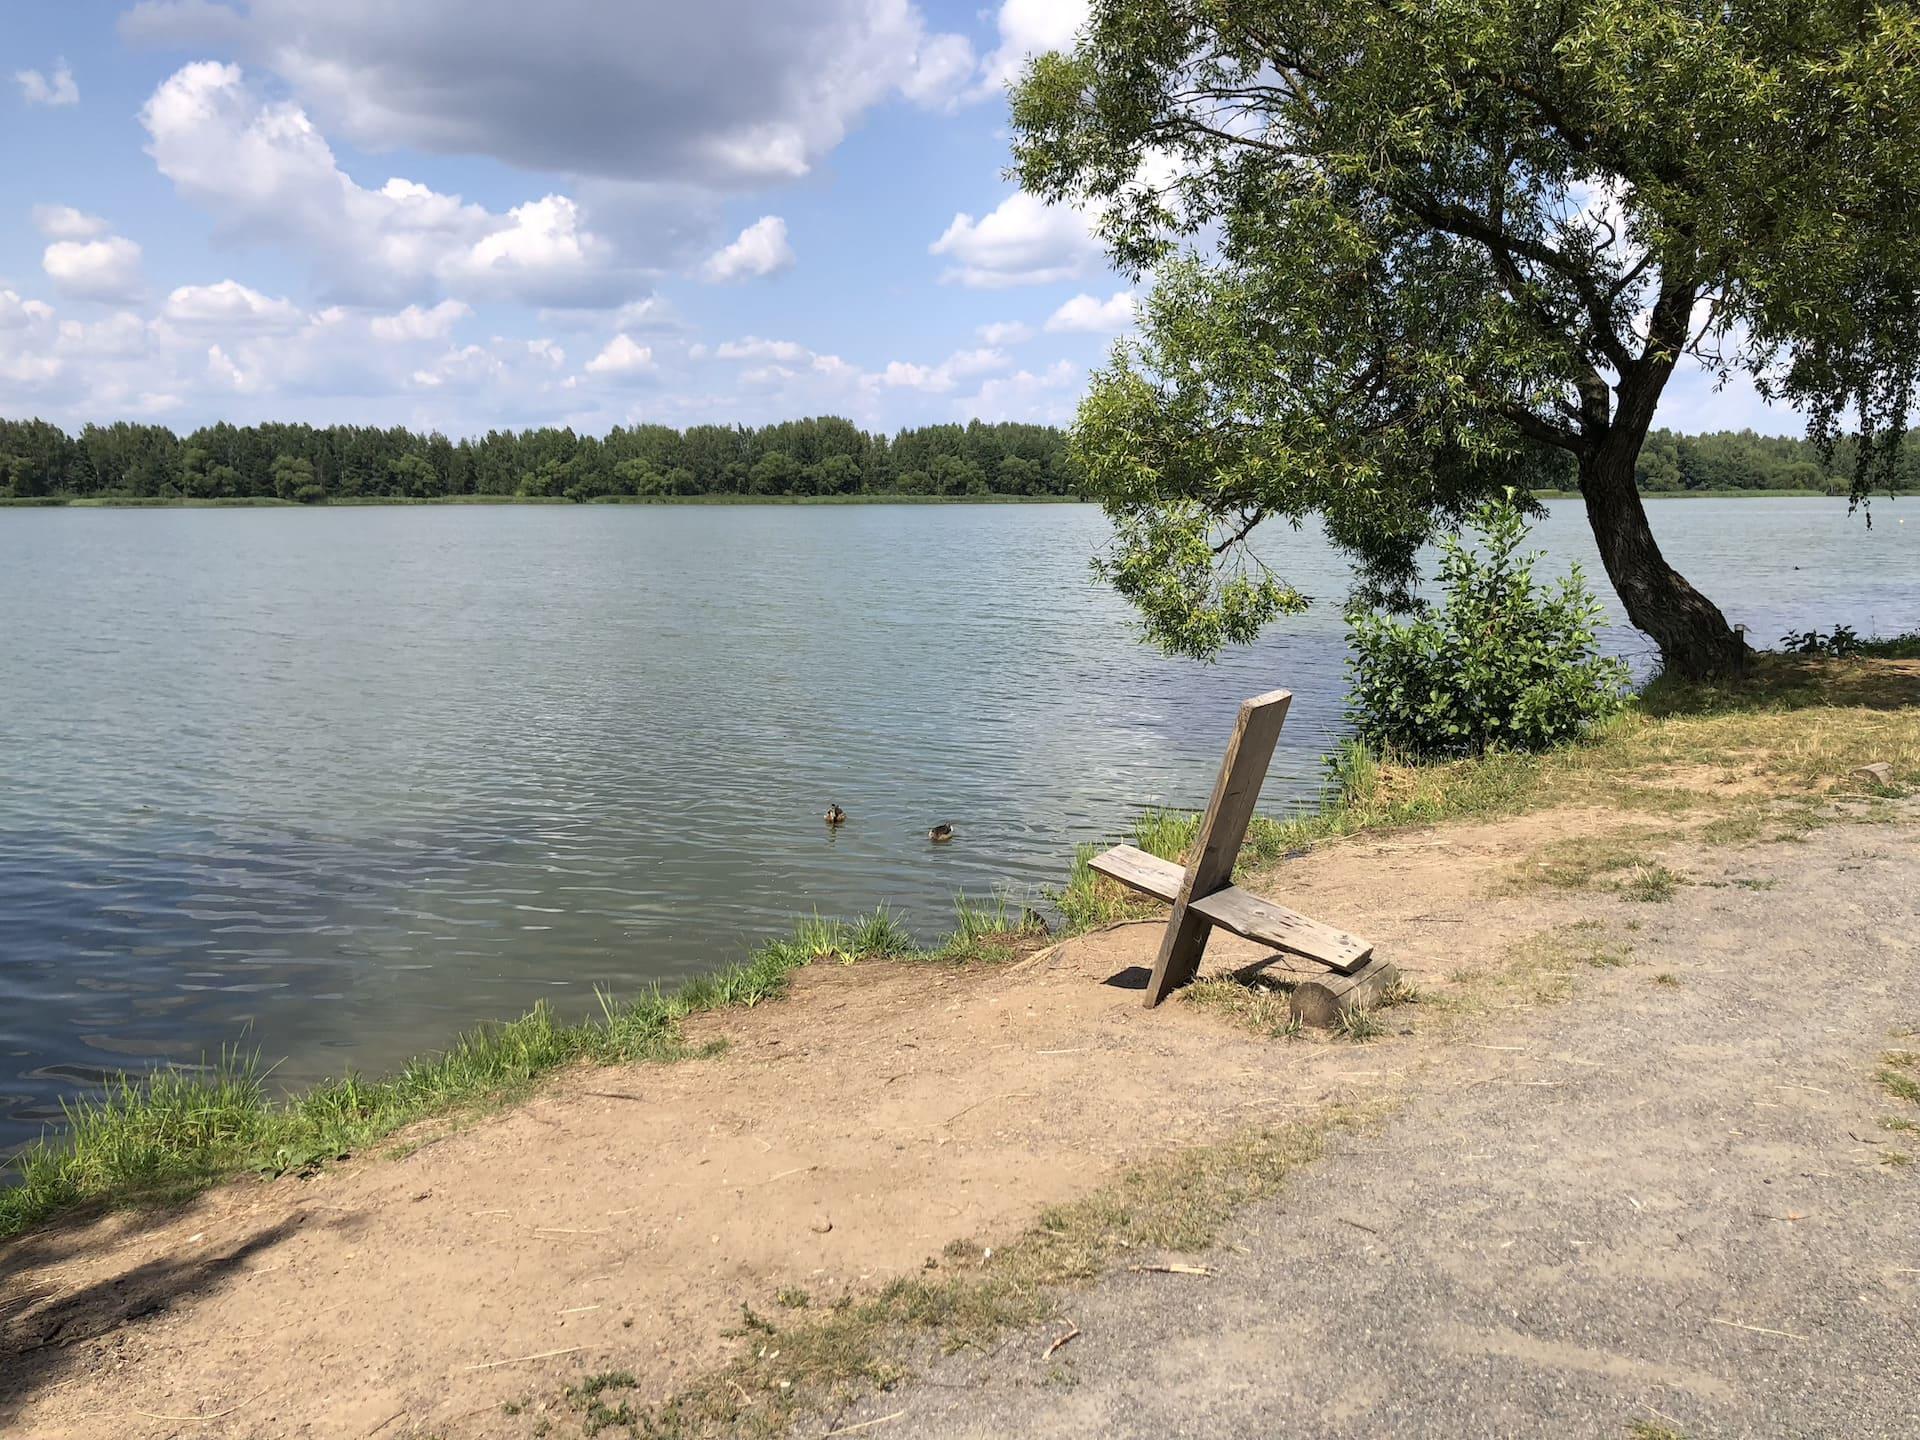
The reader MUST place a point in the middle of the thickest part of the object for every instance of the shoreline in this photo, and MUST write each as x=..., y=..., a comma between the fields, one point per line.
x=220, y=1120
x=267, y=502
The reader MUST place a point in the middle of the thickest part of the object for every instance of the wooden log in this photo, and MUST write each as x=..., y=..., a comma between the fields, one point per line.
x=1322, y=999
x=1261, y=920
x=1138, y=870
x=1242, y=772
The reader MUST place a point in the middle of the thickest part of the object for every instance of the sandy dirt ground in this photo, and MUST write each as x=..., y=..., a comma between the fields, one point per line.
x=621, y=1218
x=1669, y=1204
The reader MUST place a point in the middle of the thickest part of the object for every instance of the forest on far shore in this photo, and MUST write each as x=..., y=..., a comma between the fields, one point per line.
x=821, y=456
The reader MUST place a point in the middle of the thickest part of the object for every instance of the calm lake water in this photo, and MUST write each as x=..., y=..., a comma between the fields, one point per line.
x=336, y=783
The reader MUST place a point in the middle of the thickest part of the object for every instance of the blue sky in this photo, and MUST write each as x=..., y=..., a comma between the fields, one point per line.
x=460, y=214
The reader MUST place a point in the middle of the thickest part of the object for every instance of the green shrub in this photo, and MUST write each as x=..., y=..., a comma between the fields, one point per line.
x=1504, y=663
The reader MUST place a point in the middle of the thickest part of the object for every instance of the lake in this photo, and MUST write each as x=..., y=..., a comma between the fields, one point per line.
x=336, y=783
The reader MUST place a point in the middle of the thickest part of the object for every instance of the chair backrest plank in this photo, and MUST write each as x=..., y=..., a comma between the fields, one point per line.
x=1217, y=846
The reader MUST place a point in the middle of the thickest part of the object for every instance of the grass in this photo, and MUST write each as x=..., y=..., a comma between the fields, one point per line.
x=1651, y=883
x=588, y=1400
x=1260, y=1004
x=1260, y=1008
x=1899, y=1075
x=971, y=1297
x=1540, y=968
x=169, y=1135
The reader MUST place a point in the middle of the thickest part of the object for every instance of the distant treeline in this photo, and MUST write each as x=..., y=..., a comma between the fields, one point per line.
x=825, y=456
x=1742, y=460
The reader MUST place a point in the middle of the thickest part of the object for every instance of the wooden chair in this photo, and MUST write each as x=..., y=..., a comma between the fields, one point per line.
x=1343, y=971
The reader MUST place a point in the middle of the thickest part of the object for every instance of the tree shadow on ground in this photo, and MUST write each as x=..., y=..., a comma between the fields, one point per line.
x=45, y=1330
x=1792, y=682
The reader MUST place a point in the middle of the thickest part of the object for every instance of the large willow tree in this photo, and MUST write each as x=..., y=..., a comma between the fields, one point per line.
x=1408, y=252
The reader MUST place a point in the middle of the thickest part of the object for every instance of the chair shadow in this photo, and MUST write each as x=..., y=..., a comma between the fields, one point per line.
x=1134, y=977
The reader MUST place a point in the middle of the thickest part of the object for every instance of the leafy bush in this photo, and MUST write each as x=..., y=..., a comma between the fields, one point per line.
x=1504, y=663
x=1841, y=644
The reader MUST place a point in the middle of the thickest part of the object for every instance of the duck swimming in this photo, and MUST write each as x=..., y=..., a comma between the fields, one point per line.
x=940, y=834
x=835, y=815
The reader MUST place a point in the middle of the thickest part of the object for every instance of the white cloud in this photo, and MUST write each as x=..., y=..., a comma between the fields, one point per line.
x=903, y=373
x=106, y=269
x=754, y=348
x=29, y=373
x=1021, y=241
x=1086, y=315
x=266, y=173
x=761, y=249
x=1029, y=28
x=63, y=222
x=963, y=363
x=415, y=323
x=652, y=313
x=39, y=89
x=1005, y=332
x=225, y=352
x=230, y=306
x=121, y=336
x=938, y=379
x=223, y=373
x=1047, y=398
x=18, y=314
x=622, y=357
x=941, y=69
x=585, y=87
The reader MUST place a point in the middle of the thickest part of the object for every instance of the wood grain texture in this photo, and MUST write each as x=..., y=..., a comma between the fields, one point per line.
x=1242, y=772
x=1247, y=914
x=1138, y=870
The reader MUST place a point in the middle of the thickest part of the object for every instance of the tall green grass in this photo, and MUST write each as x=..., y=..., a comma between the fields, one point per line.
x=170, y=1134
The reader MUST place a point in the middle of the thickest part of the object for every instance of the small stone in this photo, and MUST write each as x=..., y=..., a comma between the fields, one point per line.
x=821, y=1225
x=1878, y=773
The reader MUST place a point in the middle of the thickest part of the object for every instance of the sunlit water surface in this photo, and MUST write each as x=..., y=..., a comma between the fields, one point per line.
x=335, y=783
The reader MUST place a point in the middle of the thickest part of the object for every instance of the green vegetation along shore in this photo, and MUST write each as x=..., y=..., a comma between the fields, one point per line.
x=1800, y=722
x=265, y=502
x=824, y=458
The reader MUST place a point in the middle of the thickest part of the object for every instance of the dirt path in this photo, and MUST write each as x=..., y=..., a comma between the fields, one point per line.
x=621, y=1219
x=1665, y=1203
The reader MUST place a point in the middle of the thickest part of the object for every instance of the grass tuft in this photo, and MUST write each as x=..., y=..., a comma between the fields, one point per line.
x=1261, y=1008
x=1899, y=1075
x=1651, y=883
x=1358, y=1025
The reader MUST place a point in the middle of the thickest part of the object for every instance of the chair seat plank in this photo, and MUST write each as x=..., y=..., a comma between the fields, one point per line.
x=1238, y=910
x=1270, y=924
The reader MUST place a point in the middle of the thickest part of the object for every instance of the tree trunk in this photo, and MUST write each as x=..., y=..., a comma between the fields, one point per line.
x=1694, y=637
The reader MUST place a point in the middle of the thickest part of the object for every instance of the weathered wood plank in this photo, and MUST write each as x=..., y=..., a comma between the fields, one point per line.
x=1138, y=870
x=1242, y=772
x=1247, y=914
